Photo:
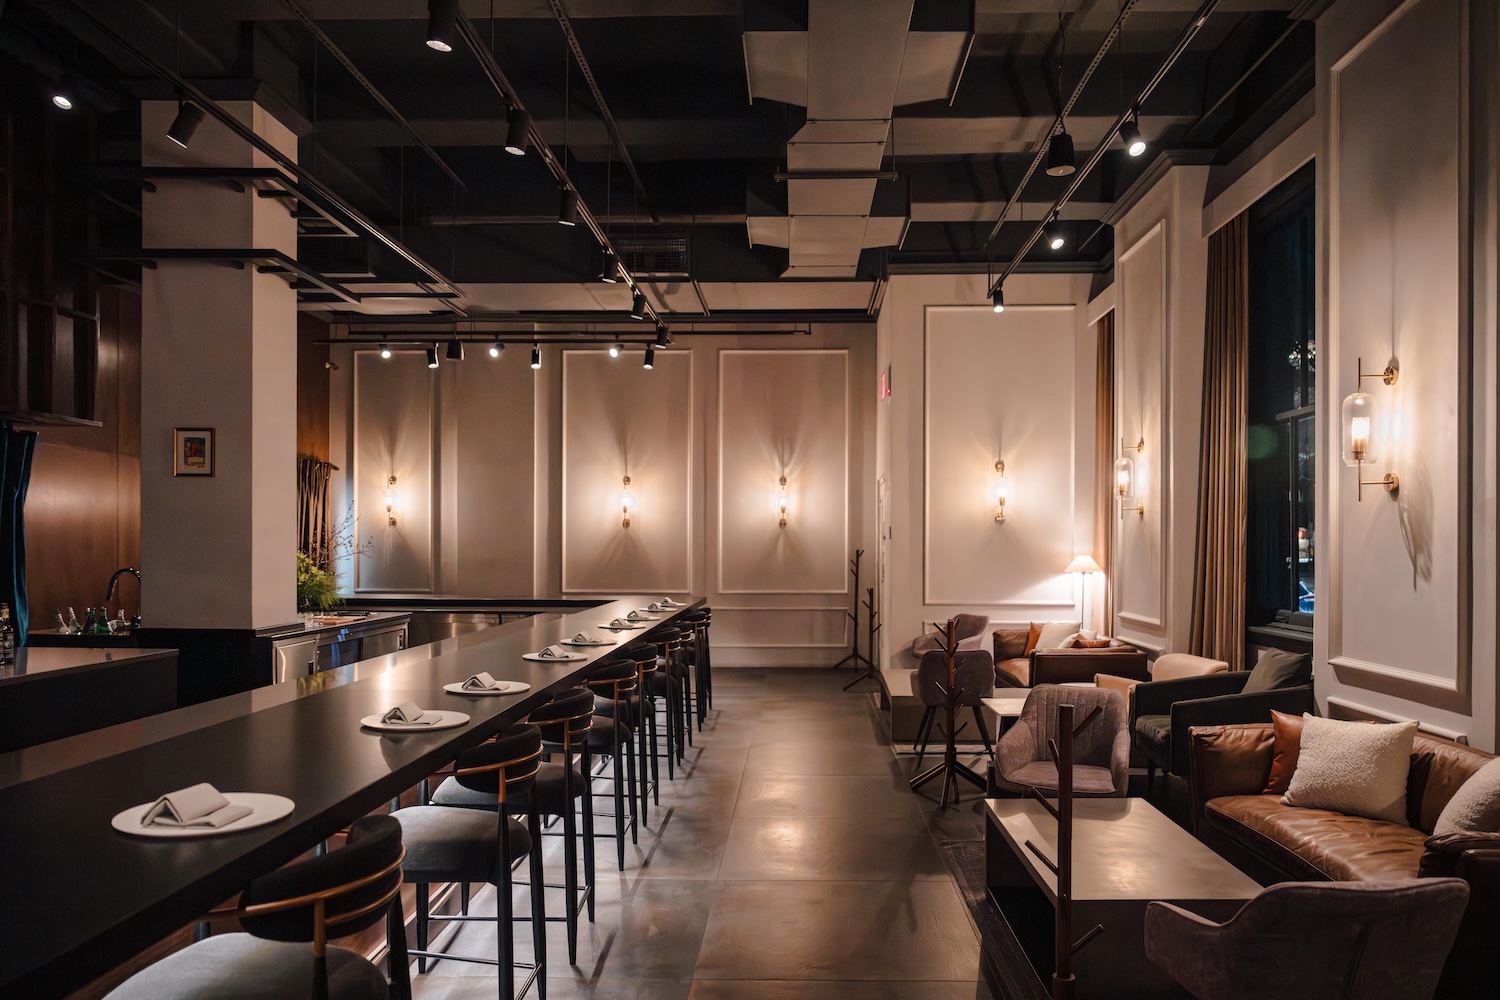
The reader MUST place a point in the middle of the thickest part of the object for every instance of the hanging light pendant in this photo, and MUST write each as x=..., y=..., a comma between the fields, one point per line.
x=567, y=207
x=609, y=267
x=997, y=299
x=1060, y=155
x=536, y=357
x=432, y=356
x=65, y=94
x=1130, y=135
x=517, y=132
x=638, y=305
x=1055, y=234
x=455, y=350
x=650, y=360
x=442, y=22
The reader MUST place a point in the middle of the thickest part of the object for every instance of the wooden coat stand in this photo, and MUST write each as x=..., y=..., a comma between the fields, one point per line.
x=950, y=767
x=855, y=656
x=871, y=616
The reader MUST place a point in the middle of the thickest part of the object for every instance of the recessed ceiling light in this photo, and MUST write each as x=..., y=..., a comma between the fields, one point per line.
x=65, y=94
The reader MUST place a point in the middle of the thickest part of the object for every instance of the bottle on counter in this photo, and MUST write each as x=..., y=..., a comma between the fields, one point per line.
x=7, y=636
x=62, y=626
x=73, y=627
x=88, y=622
x=121, y=625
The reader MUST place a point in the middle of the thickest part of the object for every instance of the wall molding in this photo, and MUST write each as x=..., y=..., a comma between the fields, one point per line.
x=358, y=476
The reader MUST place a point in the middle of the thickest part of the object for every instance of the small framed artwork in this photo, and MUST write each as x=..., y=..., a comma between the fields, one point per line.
x=193, y=451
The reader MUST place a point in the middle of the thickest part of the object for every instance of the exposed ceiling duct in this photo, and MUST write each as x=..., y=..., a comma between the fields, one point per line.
x=850, y=69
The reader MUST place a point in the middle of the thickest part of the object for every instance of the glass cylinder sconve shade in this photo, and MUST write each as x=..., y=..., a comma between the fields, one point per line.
x=1001, y=492
x=1125, y=478
x=1361, y=423
x=781, y=503
x=390, y=501
x=625, y=503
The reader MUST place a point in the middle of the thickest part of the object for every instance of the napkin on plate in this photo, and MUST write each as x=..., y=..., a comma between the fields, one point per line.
x=667, y=602
x=653, y=606
x=408, y=714
x=200, y=805
x=481, y=681
x=553, y=653
x=634, y=616
x=584, y=639
x=620, y=623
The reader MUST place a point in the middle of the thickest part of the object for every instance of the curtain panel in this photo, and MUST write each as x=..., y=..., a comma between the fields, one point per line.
x=1219, y=565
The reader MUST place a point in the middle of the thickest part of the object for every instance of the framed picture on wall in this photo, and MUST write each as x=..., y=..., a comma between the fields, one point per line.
x=193, y=451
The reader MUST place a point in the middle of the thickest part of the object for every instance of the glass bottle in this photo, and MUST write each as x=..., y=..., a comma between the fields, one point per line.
x=88, y=622
x=62, y=626
x=73, y=627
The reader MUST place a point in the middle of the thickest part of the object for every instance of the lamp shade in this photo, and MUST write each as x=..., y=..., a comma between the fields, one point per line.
x=1083, y=564
x=1361, y=425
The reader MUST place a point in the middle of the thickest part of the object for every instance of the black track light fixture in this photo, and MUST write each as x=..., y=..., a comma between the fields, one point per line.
x=536, y=357
x=609, y=267
x=65, y=94
x=638, y=305
x=442, y=24
x=455, y=350
x=1055, y=234
x=567, y=207
x=1130, y=134
x=649, y=362
x=517, y=132
x=997, y=298
x=497, y=349
x=661, y=335
x=615, y=349
x=385, y=351
x=1060, y=155
x=432, y=356
x=189, y=117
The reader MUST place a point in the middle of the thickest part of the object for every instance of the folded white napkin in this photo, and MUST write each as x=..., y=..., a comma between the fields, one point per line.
x=553, y=652
x=408, y=714
x=197, y=805
x=584, y=639
x=634, y=616
x=667, y=602
x=619, y=623
x=653, y=606
x=481, y=681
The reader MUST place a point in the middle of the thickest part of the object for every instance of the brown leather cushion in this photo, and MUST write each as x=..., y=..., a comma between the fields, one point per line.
x=1091, y=643
x=1010, y=643
x=1288, y=747
x=1032, y=637
x=1452, y=765
x=1343, y=848
x=1014, y=672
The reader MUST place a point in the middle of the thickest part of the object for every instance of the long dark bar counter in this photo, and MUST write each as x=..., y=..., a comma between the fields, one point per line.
x=79, y=898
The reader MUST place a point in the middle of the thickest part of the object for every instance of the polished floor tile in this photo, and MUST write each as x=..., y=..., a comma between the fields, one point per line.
x=819, y=795
x=819, y=758
x=839, y=849
x=839, y=930
x=804, y=989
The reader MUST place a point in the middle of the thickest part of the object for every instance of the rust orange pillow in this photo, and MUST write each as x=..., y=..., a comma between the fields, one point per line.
x=1288, y=746
x=1036, y=633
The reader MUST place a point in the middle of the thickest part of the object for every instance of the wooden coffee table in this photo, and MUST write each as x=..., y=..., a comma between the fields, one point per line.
x=1125, y=854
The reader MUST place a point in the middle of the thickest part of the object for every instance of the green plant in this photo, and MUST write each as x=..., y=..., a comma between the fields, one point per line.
x=316, y=588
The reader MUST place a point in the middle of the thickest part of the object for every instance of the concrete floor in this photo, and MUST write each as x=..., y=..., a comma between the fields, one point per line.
x=789, y=862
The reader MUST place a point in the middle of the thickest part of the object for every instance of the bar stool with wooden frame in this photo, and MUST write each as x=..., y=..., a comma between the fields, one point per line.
x=612, y=733
x=670, y=682
x=454, y=844
x=698, y=657
x=642, y=718
x=329, y=896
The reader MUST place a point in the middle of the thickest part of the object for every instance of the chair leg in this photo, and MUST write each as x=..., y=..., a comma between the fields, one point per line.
x=585, y=766
x=635, y=795
x=984, y=734
x=538, y=902
x=924, y=732
x=648, y=710
x=1150, y=778
x=570, y=867
x=422, y=903
x=617, y=768
x=505, y=915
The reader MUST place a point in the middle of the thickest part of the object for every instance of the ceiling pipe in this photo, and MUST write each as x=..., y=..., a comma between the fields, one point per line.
x=306, y=16
x=1198, y=20
x=1062, y=116
x=190, y=92
x=512, y=99
x=604, y=112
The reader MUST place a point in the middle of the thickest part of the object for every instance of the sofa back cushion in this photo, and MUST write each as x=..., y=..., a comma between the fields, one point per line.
x=1277, y=668
x=1010, y=643
x=1452, y=765
x=1288, y=749
x=1353, y=767
x=1172, y=666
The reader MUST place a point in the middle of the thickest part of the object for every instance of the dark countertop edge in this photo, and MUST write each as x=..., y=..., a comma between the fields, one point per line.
x=118, y=656
x=430, y=602
x=297, y=628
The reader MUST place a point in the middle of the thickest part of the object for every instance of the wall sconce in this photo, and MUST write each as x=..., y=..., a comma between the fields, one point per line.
x=1361, y=430
x=1125, y=480
x=1001, y=491
x=781, y=503
x=390, y=501
x=625, y=499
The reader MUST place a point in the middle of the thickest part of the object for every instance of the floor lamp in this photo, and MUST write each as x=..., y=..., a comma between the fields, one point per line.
x=1083, y=566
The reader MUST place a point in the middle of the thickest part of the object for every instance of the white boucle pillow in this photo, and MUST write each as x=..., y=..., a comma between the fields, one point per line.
x=1353, y=767
x=1475, y=807
x=1055, y=634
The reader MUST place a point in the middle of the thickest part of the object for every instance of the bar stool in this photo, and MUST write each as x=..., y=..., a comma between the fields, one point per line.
x=612, y=734
x=448, y=844
x=670, y=681
x=329, y=896
x=697, y=656
x=564, y=725
x=641, y=715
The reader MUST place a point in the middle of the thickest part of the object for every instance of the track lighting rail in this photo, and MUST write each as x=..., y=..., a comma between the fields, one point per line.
x=264, y=261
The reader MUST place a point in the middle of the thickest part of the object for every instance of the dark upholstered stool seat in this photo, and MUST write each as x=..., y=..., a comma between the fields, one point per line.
x=457, y=844
x=1155, y=732
x=551, y=798
x=605, y=736
x=242, y=967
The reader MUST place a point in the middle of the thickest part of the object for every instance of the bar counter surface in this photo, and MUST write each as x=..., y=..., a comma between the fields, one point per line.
x=50, y=693
x=80, y=898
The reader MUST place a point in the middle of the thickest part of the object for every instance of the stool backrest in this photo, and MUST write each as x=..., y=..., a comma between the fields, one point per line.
x=567, y=718
x=1092, y=747
x=507, y=764
x=974, y=671
x=616, y=680
x=341, y=892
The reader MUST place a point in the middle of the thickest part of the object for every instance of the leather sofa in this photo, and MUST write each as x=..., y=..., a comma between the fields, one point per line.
x=1061, y=666
x=1229, y=768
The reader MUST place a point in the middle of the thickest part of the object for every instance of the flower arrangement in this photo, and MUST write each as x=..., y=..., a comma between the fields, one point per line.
x=316, y=587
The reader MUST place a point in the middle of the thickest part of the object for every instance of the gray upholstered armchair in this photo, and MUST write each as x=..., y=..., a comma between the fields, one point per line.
x=1315, y=941
x=1101, y=753
x=969, y=630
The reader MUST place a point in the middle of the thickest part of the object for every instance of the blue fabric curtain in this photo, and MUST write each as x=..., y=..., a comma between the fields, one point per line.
x=16, y=450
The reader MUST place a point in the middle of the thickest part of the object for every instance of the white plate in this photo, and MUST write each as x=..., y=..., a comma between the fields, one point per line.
x=539, y=658
x=624, y=628
x=448, y=721
x=646, y=618
x=268, y=809
x=506, y=687
x=605, y=642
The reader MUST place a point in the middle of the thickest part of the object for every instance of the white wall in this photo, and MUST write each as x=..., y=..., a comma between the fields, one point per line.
x=509, y=480
x=970, y=387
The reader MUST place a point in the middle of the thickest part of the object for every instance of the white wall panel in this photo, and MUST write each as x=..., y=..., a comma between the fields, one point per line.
x=620, y=420
x=393, y=435
x=783, y=413
x=999, y=387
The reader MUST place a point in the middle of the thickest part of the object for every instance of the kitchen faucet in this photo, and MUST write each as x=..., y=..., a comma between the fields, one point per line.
x=109, y=593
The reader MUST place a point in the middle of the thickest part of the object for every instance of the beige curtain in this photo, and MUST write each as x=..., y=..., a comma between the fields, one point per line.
x=314, y=534
x=1219, y=568
x=1104, y=466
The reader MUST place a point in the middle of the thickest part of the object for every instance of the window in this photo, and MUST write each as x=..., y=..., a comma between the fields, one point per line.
x=1281, y=542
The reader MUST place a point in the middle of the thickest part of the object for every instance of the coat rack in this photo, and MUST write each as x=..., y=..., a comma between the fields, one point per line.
x=854, y=654
x=871, y=616
x=950, y=768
